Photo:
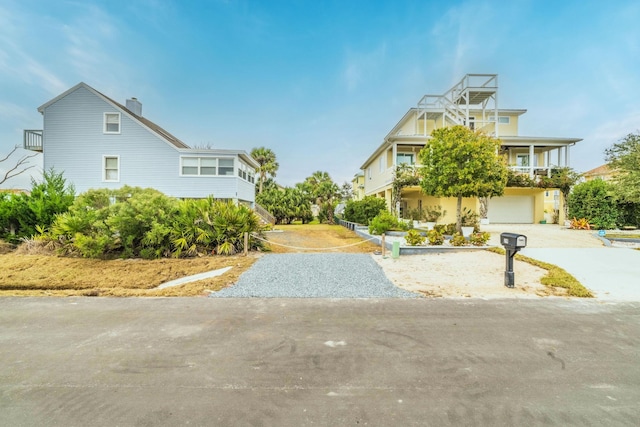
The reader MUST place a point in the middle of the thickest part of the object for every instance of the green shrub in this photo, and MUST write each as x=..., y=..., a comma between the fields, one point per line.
x=434, y=213
x=629, y=214
x=21, y=214
x=515, y=179
x=458, y=240
x=469, y=218
x=593, y=200
x=479, y=239
x=435, y=237
x=286, y=205
x=363, y=211
x=134, y=222
x=415, y=214
x=446, y=229
x=414, y=238
x=384, y=222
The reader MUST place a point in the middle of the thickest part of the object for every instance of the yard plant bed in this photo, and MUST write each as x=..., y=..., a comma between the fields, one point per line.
x=45, y=274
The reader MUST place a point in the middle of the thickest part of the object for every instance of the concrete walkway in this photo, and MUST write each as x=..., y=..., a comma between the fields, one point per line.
x=611, y=273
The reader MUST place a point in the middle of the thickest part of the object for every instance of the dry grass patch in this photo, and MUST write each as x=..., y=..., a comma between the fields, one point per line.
x=31, y=270
x=63, y=276
x=317, y=238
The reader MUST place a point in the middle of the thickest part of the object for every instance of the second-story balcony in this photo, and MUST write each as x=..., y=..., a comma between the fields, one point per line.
x=533, y=171
x=32, y=140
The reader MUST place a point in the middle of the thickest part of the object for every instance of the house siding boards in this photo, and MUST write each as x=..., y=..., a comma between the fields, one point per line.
x=74, y=143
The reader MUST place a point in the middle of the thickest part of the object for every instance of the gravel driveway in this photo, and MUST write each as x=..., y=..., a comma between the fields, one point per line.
x=325, y=275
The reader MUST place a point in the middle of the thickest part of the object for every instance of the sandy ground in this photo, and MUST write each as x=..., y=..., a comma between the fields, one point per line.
x=480, y=274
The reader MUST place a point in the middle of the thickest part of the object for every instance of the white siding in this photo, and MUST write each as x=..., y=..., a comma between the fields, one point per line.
x=74, y=143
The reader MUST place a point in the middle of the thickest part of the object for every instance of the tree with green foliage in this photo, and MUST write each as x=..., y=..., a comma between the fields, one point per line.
x=346, y=191
x=404, y=176
x=22, y=214
x=594, y=201
x=268, y=166
x=363, y=211
x=458, y=162
x=563, y=179
x=286, y=204
x=624, y=158
x=324, y=192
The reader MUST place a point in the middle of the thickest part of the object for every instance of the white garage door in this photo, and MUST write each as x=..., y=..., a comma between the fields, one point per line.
x=511, y=210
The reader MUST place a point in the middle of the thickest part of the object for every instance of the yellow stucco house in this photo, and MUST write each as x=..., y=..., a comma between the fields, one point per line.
x=357, y=183
x=472, y=102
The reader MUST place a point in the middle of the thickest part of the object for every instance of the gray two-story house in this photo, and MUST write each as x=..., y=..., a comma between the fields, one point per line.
x=98, y=143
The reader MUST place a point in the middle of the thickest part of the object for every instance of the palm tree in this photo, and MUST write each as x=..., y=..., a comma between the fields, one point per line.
x=266, y=158
x=323, y=191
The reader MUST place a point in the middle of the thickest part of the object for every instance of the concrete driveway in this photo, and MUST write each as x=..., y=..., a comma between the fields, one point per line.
x=305, y=362
x=612, y=273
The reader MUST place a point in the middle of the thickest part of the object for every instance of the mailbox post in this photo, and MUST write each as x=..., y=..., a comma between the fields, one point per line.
x=512, y=243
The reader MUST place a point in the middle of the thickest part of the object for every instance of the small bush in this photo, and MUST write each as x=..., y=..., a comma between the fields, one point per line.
x=447, y=229
x=435, y=237
x=414, y=238
x=363, y=211
x=458, y=240
x=593, y=200
x=580, y=224
x=384, y=222
x=479, y=239
x=519, y=180
x=469, y=218
x=434, y=213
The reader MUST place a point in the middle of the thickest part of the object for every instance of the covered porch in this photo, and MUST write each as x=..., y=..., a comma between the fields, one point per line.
x=537, y=156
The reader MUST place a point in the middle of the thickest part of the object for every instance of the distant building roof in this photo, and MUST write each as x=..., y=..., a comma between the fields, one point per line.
x=602, y=172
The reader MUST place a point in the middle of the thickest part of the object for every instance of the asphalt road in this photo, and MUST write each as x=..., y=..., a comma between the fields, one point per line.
x=299, y=362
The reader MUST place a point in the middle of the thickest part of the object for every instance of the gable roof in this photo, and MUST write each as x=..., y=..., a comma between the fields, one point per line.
x=160, y=132
x=601, y=171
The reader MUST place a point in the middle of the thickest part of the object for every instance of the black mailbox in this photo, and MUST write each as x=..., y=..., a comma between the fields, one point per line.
x=512, y=243
x=513, y=240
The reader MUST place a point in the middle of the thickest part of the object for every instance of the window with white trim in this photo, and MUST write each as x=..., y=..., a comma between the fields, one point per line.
x=225, y=167
x=206, y=166
x=246, y=172
x=111, y=168
x=111, y=123
x=405, y=158
x=190, y=166
x=503, y=120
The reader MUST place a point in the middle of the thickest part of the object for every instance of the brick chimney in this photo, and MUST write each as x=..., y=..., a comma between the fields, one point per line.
x=134, y=106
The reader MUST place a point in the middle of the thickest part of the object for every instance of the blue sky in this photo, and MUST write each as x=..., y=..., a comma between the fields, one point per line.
x=322, y=82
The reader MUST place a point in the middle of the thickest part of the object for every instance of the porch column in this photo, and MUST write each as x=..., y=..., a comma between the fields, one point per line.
x=394, y=153
x=531, y=162
x=547, y=163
